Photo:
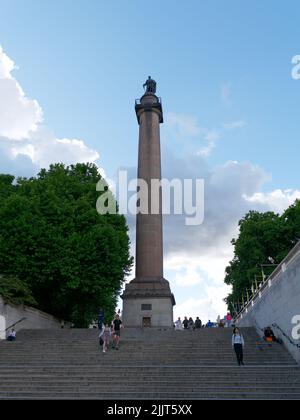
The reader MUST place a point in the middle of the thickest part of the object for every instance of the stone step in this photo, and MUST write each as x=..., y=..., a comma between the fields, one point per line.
x=101, y=382
x=152, y=387
x=136, y=395
x=154, y=369
x=129, y=373
x=69, y=364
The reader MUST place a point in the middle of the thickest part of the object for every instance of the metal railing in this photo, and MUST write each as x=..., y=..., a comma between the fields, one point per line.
x=257, y=292
x=13, y=325
x=286, y=336
x=138, y=101
x=274, y=325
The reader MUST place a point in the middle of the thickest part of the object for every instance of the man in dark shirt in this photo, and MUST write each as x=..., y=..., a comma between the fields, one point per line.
x=185, y=323
x=117, y=324
x=198, y=323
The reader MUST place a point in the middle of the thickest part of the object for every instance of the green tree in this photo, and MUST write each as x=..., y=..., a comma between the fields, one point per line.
x=264, y=237
x=52, y=238
x=15, y=292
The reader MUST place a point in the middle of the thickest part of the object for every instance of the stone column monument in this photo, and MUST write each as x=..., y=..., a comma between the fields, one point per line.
x=147, y=300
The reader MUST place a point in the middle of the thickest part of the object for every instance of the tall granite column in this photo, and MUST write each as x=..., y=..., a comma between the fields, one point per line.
x=147, y=300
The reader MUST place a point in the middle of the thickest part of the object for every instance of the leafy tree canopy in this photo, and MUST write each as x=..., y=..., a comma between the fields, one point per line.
x=15, y=292
x=71, y=259
x=263, y=238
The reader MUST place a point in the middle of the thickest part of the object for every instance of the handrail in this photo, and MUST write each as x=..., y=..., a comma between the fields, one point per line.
x=269, y=280
x=286, y=336
x=18, y=322
x=282, y=332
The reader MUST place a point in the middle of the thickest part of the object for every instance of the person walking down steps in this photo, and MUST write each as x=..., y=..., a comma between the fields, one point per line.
x=238, y=343
x=117, y=325
x=104, y=337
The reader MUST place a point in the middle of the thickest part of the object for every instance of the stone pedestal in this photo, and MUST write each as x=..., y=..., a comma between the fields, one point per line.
x=148, y=300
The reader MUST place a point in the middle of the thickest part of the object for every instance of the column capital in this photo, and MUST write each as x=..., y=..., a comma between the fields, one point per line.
x=149, y=103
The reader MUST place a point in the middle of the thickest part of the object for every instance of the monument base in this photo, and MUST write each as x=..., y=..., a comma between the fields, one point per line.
x=148, y=312
x=148, y=304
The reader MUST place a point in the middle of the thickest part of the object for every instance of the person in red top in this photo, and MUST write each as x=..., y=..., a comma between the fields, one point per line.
x=228, y=320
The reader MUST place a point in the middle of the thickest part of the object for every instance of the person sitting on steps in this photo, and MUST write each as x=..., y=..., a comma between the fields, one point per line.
x=185, y=323
x=191, y=324
x=178, y=325
x=198, y=323
x=12, y=335
x=270, y=337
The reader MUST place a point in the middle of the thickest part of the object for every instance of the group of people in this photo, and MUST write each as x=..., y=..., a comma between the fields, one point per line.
x=108, y=331
x=188, y=324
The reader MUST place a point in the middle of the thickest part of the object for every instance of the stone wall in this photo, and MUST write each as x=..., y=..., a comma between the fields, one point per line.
x=278, y=303
x=35, y=319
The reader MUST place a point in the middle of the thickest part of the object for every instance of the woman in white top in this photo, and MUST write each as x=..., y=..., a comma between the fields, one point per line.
x=105, y=335
x=238, y=343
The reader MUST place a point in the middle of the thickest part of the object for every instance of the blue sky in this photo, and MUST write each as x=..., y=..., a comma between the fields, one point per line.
x=224, y=74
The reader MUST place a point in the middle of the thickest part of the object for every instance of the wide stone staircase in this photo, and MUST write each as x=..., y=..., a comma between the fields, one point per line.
x=150, y=364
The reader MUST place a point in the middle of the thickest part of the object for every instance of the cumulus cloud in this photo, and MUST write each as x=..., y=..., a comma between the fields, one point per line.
x=196, y=256
x=184, y=127
x=224, y=202
x=6, y=65
x=211, y=138
x=18, y=165
x=25, y=145
x=276, y=201
x=208, y=306
x=231, y=190
x=19, y=115
x=44, y=148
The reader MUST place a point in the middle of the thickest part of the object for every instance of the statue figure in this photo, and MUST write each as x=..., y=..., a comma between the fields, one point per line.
x=150, y=85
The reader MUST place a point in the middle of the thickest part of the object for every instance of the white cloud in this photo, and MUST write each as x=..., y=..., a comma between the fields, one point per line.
x=206, y=308
x=276, y=201
x=23, y=139
x=196, y=257
x=183, y=125
x=211, y=138
x=19, y=115
x=189, y=277
x=6, y=65
x=186, y=127
x=44, y=149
